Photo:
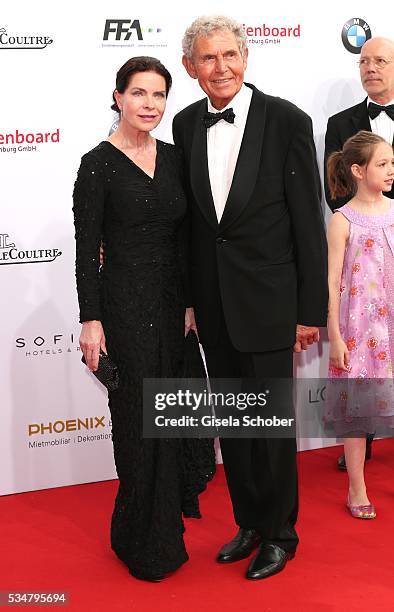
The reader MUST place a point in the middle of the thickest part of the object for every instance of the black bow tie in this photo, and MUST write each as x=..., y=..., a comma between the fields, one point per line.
x=375, y=109
x=210, y=119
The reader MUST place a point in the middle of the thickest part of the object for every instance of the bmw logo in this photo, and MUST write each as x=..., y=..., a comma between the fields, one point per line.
x=355, y=33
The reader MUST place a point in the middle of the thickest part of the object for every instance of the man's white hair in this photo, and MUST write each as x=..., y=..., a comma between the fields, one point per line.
x=206, y=25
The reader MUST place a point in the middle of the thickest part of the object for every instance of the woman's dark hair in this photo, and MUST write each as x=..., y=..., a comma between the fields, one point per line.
x=140, y=63
x=357, y=150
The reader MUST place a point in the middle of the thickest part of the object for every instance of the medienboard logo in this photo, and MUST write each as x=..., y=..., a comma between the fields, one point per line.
x=17, y=141
x=23, y=41
x=11, y=255
x=271, y=34
x=355, y=32
x=130, y=33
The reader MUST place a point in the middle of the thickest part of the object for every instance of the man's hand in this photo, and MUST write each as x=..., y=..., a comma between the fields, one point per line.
x=305, y=336
x=101, y=253
x=190, y=322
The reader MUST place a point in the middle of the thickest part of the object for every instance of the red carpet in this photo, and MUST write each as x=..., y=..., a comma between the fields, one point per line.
x=57, y=540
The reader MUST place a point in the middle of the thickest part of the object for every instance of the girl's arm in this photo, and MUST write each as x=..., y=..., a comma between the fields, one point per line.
x=338, y=235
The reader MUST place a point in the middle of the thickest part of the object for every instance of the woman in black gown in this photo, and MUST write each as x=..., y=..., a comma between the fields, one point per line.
x=128, y=196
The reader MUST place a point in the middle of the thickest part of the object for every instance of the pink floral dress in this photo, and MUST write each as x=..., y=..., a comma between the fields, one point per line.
x=366, y=321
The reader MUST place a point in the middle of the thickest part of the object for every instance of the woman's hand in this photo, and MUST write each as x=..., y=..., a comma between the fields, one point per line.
x=339, y=354
x=91, y=340
x=190, y=322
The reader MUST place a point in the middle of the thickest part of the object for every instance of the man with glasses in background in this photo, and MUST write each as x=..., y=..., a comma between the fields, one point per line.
x=374, y=114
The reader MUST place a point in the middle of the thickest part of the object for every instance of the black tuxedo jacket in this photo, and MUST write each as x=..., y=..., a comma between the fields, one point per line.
x=340, y=127
x=265, y=263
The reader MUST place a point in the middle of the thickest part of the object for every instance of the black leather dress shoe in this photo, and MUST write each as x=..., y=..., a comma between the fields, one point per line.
x=240, y=547
x=368, y=455
x=269, y=560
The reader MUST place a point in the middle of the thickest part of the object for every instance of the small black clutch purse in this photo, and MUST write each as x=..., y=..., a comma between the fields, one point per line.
x=107, y=372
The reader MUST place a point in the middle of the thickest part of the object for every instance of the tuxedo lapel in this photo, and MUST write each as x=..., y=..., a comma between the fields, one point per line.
x=248, y=163
x=199, y=173
x=360, y=118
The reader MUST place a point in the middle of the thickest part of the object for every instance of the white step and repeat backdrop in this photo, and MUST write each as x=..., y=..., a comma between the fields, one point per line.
x=57, y=72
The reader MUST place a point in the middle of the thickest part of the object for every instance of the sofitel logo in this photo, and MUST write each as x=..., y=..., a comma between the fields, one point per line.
x=11, y=255
x=23, y=41
x=48, y=344
x=129, y=33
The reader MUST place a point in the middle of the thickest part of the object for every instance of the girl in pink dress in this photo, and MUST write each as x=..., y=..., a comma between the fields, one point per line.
x=361, y=302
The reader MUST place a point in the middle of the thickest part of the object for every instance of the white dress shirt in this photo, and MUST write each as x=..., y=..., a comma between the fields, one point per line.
x=223, y=145
x=382, y=125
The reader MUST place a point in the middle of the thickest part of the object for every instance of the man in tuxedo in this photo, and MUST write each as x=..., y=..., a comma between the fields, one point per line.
x=258, y=266
x=374, y=114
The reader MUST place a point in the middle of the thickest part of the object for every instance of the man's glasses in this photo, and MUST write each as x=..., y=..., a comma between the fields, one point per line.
x=379, y=62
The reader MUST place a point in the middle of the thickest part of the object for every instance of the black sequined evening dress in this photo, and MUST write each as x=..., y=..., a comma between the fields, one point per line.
x=139, y=297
